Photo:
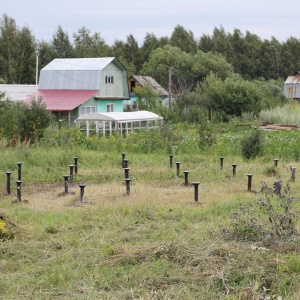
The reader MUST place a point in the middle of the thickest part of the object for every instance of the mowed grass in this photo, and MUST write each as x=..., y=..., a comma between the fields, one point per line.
x=155, y=243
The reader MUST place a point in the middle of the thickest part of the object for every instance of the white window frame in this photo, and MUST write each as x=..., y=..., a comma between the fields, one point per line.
x=87, y=109
x=110, y=107
x=109, y=79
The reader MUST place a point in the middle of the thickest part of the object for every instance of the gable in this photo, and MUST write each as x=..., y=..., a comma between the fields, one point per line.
x=74, y=73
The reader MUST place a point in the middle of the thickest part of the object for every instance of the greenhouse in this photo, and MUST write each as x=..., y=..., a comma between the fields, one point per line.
x=119, y=122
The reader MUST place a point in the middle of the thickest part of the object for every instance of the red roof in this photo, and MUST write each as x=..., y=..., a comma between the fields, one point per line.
x=63, y=100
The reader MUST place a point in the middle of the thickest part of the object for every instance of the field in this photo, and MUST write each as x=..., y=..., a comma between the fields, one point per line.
x=155, y=242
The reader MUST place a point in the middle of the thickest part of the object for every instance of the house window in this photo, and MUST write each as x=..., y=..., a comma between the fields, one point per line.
x=87, y=109
x=109, y=79
x=132, y=86
x=110, y=107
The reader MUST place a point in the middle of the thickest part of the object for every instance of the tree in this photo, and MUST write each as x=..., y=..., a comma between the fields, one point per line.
x=61, y=44
x=88, y=45
x=17, y=52
x=188, y=69
x=132, y=52
x=270, y=59
x=206, y=43
x=290, y=55
x=206, y=63
x=150, y=43
x=159, y=64
x=46, y=54
x=231, y=97
x=9, y=126
x=33, y=120
x=222, y=43
x=183, y=39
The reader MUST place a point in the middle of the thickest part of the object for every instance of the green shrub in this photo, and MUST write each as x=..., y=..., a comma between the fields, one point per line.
x=252, y=144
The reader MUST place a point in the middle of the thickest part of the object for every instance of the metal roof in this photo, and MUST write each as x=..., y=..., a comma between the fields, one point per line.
x=121, y=117
x=17, y=92
x=74, y=73
x=293, y=80
x=63, y=100
x=78, y=64
x=142, y=80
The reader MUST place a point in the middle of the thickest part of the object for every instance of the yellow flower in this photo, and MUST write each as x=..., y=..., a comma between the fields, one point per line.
x=2, y=228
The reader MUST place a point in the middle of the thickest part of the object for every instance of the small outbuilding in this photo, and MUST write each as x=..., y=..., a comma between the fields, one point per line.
x=291, y=87
x=119, y=122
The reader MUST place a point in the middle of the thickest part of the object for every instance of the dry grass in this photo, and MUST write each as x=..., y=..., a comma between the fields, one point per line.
x=155, y=243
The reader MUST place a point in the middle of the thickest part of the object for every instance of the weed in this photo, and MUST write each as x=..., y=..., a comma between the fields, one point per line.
x=269, y=218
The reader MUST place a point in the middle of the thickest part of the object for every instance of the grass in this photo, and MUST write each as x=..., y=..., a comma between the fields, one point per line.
x=288, y=114
x=155, y=243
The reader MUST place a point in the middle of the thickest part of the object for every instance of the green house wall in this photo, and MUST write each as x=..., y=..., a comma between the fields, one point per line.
x=101, y=105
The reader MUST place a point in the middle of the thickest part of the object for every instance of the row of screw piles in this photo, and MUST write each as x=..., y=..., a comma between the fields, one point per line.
x=126, y=170
x=186, y=177
x=18, y=182
x=69, y=179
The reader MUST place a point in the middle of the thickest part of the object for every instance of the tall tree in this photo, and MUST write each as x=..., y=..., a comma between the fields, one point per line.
x=150, y=43
x=61, y=44
x=17, y=52
x=118, y=51
x=169, y=62
x=270, y=59
x=290, y=55
x=132, y=52
x=222, y=43
x=183, y=39
x=46, y=53
x=251, y=64
x=8, y=42
x=88, y=45
x=206, y=43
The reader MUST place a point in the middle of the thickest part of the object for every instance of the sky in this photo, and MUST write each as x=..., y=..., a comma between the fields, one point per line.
x=116, y=19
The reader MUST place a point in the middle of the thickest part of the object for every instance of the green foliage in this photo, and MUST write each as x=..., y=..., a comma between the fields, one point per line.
x=148, y=98
x=64, y=137
x=231, y=97
x=9, y=126
x=17, y=52
x=33, y=120
x=252, y=144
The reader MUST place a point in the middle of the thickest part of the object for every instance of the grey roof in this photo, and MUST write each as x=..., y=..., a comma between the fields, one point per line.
x=78, y=64
x=142, y=80
x=73, y=73
x=121, y=117
x=17, y=92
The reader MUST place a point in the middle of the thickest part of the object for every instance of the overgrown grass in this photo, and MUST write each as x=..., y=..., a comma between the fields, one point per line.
x=155, y=243
x=288, y=114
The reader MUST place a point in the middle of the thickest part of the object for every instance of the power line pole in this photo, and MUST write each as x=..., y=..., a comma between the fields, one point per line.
x=170, y=85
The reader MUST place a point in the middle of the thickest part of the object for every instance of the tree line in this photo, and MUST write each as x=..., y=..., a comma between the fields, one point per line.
x=246, y=53
x=214, y=77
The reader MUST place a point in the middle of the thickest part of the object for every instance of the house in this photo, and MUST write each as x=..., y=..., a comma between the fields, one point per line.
x=140, y=81
x=291, y=87
x=71, y=87
x=17, y=92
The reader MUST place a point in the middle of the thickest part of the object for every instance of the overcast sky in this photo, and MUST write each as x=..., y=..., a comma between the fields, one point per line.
x=116, y=19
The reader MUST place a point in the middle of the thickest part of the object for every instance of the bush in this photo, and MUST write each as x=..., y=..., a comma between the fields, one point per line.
x=252, y=144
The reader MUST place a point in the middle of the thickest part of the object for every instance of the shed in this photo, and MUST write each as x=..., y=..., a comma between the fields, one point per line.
x=118, y=121
x=291, y=87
